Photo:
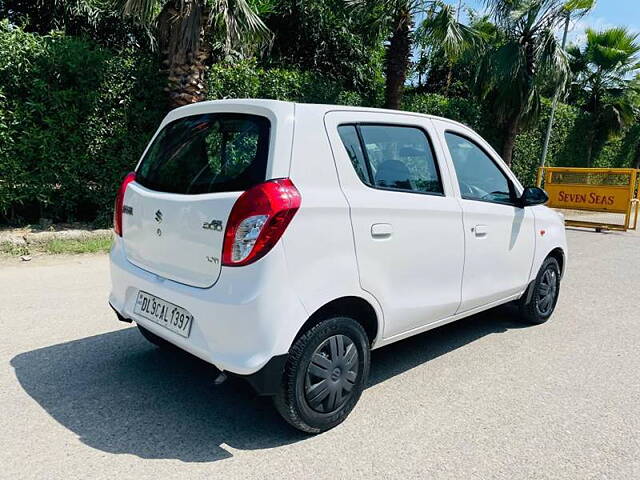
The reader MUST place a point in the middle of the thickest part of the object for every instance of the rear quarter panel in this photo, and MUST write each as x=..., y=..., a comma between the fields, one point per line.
x=318, y=244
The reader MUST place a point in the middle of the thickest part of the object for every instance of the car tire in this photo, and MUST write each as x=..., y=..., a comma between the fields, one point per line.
x=155, y=339
x=544, y=297
x=325, y=374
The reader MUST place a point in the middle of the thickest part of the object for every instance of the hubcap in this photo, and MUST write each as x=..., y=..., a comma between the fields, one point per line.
x=547, y=291
x=331, y=374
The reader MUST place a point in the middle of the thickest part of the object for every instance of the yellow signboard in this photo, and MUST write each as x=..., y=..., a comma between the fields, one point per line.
x=609, y=190
x=586, y=197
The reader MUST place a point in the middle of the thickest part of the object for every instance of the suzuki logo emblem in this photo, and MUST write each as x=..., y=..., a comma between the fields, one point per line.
x=158, y=216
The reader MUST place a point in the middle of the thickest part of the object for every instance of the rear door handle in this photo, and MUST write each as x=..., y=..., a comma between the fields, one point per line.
x=480, y=230
x=381, y=230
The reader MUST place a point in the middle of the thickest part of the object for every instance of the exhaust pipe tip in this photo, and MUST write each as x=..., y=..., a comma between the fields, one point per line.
x=220, y=379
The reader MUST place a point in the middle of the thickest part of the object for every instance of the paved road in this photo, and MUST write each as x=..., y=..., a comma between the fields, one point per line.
x=82, y=396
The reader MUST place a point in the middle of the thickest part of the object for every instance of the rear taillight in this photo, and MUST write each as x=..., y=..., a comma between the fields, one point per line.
x=257, y=220
x=117, y=209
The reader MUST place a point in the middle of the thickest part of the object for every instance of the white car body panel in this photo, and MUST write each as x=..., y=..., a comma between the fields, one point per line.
x=330, y=271
x=415, y=268
x=233, y=325
x=151, y=244
x=422, y=276
x=499, y=239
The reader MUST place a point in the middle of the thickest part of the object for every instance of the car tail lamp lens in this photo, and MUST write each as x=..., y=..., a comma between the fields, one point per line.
x=117, y=209
x=257, y=221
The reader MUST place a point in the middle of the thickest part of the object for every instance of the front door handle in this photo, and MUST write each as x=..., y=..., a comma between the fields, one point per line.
x=381, y=230
x=480, y=231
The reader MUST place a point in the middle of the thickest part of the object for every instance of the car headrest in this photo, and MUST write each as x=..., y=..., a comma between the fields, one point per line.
x=393, y=174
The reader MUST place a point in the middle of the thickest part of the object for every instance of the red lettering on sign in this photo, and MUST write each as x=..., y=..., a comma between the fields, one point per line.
x=591, y=198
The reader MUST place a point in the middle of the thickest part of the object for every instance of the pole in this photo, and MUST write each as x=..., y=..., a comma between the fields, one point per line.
x=556, y=98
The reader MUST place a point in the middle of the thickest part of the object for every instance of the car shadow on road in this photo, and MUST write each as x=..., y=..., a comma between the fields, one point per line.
x=119, y=394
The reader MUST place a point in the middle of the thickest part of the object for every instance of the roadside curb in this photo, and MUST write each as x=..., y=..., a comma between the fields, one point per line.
x=25, y=237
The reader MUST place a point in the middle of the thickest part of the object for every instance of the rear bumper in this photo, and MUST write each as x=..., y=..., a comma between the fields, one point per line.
x=249, y=317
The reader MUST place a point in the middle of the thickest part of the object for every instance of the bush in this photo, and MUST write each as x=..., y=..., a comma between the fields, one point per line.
x=247, y=80
x=566, y=147
x=74, y=118
x=463, y=110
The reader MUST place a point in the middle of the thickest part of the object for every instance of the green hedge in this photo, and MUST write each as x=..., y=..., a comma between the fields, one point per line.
x=248, y=80
x=75, y=117
x=566, y=147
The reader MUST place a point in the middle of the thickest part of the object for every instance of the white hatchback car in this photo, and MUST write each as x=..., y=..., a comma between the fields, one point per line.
x=282, y=242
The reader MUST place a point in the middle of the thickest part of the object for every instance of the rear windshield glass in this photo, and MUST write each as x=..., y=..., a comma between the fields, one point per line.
x=207, y=153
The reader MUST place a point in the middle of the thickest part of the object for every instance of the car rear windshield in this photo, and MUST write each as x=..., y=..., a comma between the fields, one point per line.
x=214, y=152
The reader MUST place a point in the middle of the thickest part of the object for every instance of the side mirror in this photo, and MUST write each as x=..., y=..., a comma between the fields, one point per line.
x=533, y=196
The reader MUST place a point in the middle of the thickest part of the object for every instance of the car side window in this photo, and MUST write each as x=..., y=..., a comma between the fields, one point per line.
x=349, y=136
x=393, y=157
x=478, y=175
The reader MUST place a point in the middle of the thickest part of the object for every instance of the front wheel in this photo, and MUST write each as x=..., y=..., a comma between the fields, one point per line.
x=325, y=375
x=544, y=297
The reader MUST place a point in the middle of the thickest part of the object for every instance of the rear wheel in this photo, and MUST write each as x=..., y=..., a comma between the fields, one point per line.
x=544, y=297
x=325, y=375
x=155, y=339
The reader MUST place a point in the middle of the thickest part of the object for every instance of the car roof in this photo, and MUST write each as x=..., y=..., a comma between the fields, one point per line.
x=320, y=108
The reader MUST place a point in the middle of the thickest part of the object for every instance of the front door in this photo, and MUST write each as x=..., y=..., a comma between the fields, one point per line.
x=499, y=236
x=407, y=227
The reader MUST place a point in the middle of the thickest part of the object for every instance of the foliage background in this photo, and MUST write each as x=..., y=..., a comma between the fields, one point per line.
x=75, y=117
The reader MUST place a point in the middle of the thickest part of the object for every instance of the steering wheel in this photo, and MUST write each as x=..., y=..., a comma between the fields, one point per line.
x=472, y=191
x=497, y=192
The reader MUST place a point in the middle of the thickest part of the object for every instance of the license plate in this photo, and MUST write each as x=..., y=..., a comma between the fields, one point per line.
x=164, y=313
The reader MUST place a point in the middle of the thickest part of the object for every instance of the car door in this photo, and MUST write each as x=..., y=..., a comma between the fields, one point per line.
x=499, y=236
x=407, y=226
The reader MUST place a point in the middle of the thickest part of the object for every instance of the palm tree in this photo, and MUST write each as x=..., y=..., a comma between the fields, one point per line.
x=445, y=38
x=603, y=80
x=189, y=32
x=527, y=56
x=397, y=17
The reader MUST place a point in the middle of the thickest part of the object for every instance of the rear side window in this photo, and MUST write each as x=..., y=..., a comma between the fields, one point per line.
x=207, y=153
x=392, y=157
x=349, y=136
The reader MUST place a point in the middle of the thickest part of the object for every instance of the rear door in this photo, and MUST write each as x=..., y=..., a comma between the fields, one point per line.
x=186, y=184
x=499, y=236
x=407, y=228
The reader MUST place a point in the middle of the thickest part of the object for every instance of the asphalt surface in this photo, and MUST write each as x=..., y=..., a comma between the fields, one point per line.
x=84, y=396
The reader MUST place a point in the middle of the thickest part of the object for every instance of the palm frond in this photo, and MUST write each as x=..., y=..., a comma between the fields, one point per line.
x=142, y=11
x=554, y=60
x=443, y=30
x=92, y=10
x=579, y=6
x=237, y=26
x=612, y=47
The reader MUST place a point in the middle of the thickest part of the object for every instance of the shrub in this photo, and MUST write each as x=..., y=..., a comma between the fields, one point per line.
x=247, y=80
x=566, y=146
x=74, y=118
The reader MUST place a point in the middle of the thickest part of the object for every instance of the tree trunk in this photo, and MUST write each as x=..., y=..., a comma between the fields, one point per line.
x=184, y=60
x=589, y=153
x=637, y=162
x=589, y=140
x=509, y=142
x=397, y=59
x=449, y=78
